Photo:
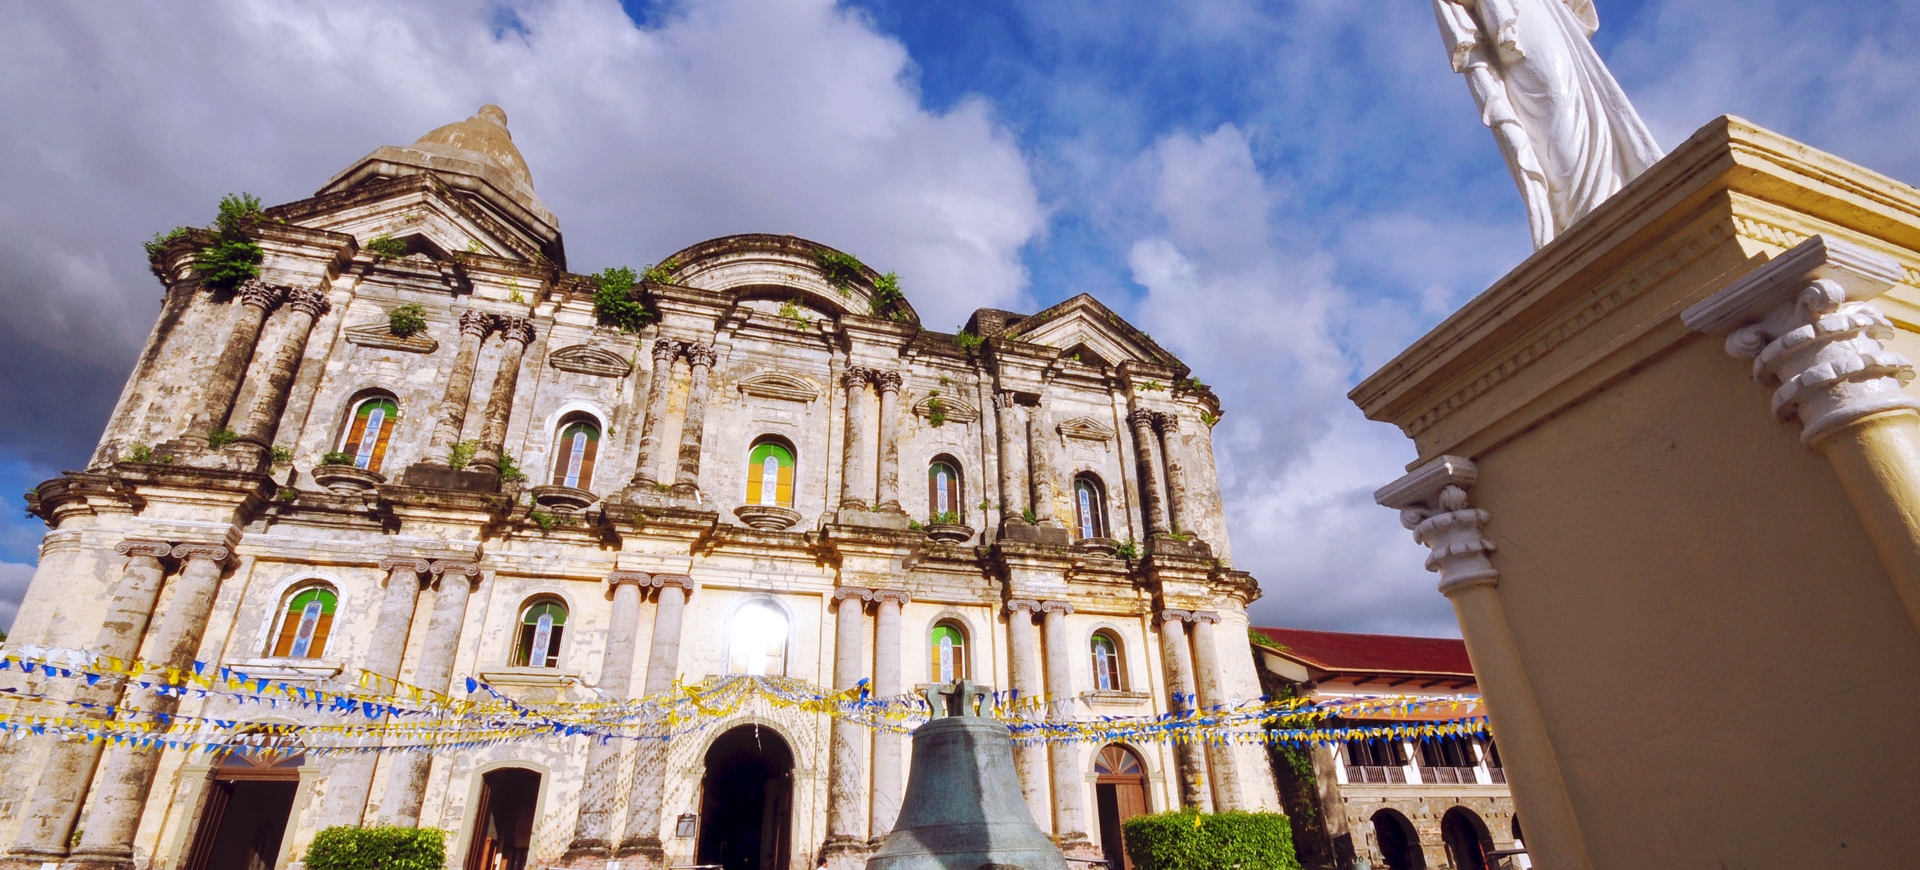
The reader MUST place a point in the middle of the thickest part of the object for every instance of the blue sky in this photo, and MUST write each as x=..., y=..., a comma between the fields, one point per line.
x=1284, y=192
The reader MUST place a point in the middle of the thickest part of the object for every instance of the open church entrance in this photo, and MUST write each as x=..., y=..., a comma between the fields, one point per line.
x=746, y=801
x=249, y=797
x=503, y=820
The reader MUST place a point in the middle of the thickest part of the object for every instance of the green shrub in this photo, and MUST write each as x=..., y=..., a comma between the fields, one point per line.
x=951, y=518
x=219, y=438
x=233, y=259
x=336, y=457
x=509, y=470
x=663, y=273
x=886, y=294
x=840, y=270
x=968, y=341
x=382, y=848
x=160, y=241
x=1189, y=840
x=462, y=453
x=281, y=455
x=613, y=302
x=385, y=246
x=407, y=320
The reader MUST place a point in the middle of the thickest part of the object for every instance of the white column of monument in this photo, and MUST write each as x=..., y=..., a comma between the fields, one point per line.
x=846, y=780
x=452, y=413
x=222, y=385
x=1213, y=693
x=1176, y=658
x=642, y=836
x=1029, y=759
x=693, y=423
x=407, y=783
x=1069, y=788
x=888, y=487
x=350, y=775
x=1014, y=483
x=889, y=749
x=303, y=307
x=659, y=384
x=517, y=333
x=856, y=465
x=593, y=829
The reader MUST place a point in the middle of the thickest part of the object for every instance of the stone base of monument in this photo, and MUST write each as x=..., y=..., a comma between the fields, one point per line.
x=963, y=808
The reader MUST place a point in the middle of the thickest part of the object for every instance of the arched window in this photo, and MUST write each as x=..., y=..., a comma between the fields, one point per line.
x=770, y=473
x=305, y=623
x=757, y=638
x=369, y=427
x=1090, y=506
x=944, y=499
x=575, y=450
x=1108, y=674
x=541, y=625
x=948, y=652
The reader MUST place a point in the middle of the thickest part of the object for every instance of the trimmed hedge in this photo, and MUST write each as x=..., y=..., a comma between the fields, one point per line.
x=383, y=848
x=1189, y=840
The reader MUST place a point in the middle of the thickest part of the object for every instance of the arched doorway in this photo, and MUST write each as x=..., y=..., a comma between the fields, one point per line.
x=503, y=820
x=1467, y=839
x=1399, y=842
x=249, y=797
x=1120, y=788
x=746, y=801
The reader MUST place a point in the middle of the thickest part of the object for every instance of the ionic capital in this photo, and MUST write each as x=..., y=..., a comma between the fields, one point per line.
x=308, y=301
x=1174, y=615
x=141, y=547
x=463, y=567
x=1804, y=322
x=859, y=592
x=209, y=552
x=1208, y=616
x=1004, y=400
x=515, y=329
x=1022, y=605
x=1432, y=501
x=664, y=350
x=261, y=295
x=475, y=323
x=701, y=355
x=1061, y=607
x=887, y=382
x=897, y=596
x=405, y=563
x=629, y=578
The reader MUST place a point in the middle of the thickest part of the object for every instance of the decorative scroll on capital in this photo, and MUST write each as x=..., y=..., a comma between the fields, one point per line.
x=514, y=329
x=469, y=569
x=417, y=566
x=858, y=592
x=1804, y=321
x=664, y=350
x=1022, y=605
x=209, y=552
x=1209, y=616
x=887, y=382
x=260, y=294
x=308, y=301
x=141, y=547
x=897, y=596
x=1061, y=607
x=1432, y=501
x=701, y=355
x=1174, y=615
x=475, y=323
x=618, y=579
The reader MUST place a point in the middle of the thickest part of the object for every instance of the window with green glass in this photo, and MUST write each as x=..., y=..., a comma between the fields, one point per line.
x=574, y=453
x=541, y=626
x=368, y=430
x=948, y=653
x=305, y=623
x=770, y=474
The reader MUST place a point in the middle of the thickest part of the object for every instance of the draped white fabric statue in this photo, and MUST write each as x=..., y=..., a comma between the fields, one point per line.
x=1568, y=133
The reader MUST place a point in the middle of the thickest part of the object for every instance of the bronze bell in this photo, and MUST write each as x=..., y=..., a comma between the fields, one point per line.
x=963, y=809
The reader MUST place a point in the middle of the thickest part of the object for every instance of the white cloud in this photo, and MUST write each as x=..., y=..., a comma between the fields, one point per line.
x=14, y=577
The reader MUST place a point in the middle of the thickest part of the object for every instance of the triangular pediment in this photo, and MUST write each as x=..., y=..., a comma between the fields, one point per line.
x=1086, y=429
x=1099, y=337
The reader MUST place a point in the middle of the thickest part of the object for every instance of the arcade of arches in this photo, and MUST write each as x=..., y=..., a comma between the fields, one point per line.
x=1461, y=840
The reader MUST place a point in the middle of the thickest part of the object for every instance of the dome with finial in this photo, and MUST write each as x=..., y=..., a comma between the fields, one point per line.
x=476, y=154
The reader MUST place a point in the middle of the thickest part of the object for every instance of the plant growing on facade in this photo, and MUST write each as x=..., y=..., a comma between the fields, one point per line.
x=1150, y=386
x=407, y=320
x=1026, y=513
x=886, y=296
x=1126, y=549
x=509, y=471
x=1209, y=419
x=233, y=258
x=838, y=268
x=336, y=457
x=219, y=438
x=160, y=241
x=951, y=518
x=286, y=493
x=613, y=302
x=542, y=519
x=936, y=412
x=281, y=455
x=662, y=273
x=968, y=341
x=462, y=453
x=914, y=526
x=138, y=453
x=386, y=246
x=790, y=310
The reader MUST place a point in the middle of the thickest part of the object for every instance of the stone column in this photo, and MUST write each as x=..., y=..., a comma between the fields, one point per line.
x=659, y=384
x=474, y=327
x=642, y=838
x=1227, y=794
x=1178, y=662
x=593, y=833
x=1805, y=322
x=889, y=749
x=223, y=383
x=350, y=776
x=1029, y=760
x=407, y=783
x=46, y=826
x=304, y=307
x=693, y=426
x=856, y=470
x=517, y=332
x=1146, y=450
x=1069, y=786
x=1167, y=428
x=1040, y=461
x=1014, y=477
x=888, y=383
x=127, y=775
x=1432, y=501
x=846, y=844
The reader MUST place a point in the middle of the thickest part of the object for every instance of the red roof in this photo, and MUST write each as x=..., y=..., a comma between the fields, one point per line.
x=1341, y=652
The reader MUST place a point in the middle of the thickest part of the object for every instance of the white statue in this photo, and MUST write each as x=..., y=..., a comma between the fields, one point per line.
x=1568, y=133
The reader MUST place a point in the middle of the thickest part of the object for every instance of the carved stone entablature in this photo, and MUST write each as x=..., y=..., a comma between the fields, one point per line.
x=1804, y=321
x=588, y=360
x=1432, y=501
x=379, y=335
x=776, y=385
x=954, y=410
x=1085, y=429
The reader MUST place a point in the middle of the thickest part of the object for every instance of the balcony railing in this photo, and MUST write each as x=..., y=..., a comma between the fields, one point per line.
x=1448, y=775
x=1375, y=773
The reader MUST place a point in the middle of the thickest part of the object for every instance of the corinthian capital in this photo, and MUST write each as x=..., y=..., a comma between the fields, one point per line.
x=664, y=350
x=475, y=323
x=1804, y=322
x=307, y=301
x=1165, y=422
x=856, y=377
x=514, y=329
x=1432, y=501
x=1140, y=419
x=887, y=382
x=701, y=355
x=260, y=294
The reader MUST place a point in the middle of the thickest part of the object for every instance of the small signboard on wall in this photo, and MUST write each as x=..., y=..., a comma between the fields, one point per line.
x=684, y=826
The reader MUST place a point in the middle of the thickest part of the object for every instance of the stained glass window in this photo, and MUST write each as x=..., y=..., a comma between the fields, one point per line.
x=758, y=640
x=578, y=445
x=1090, y=506
x=770, y=474
x=1108, y=676
x=943, y=492
x=369, y=428
x=305, y=623
x=948, y=653
x=541, y=626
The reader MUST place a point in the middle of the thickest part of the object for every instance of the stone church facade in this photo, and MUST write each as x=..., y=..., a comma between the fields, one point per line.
x=782, y=474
